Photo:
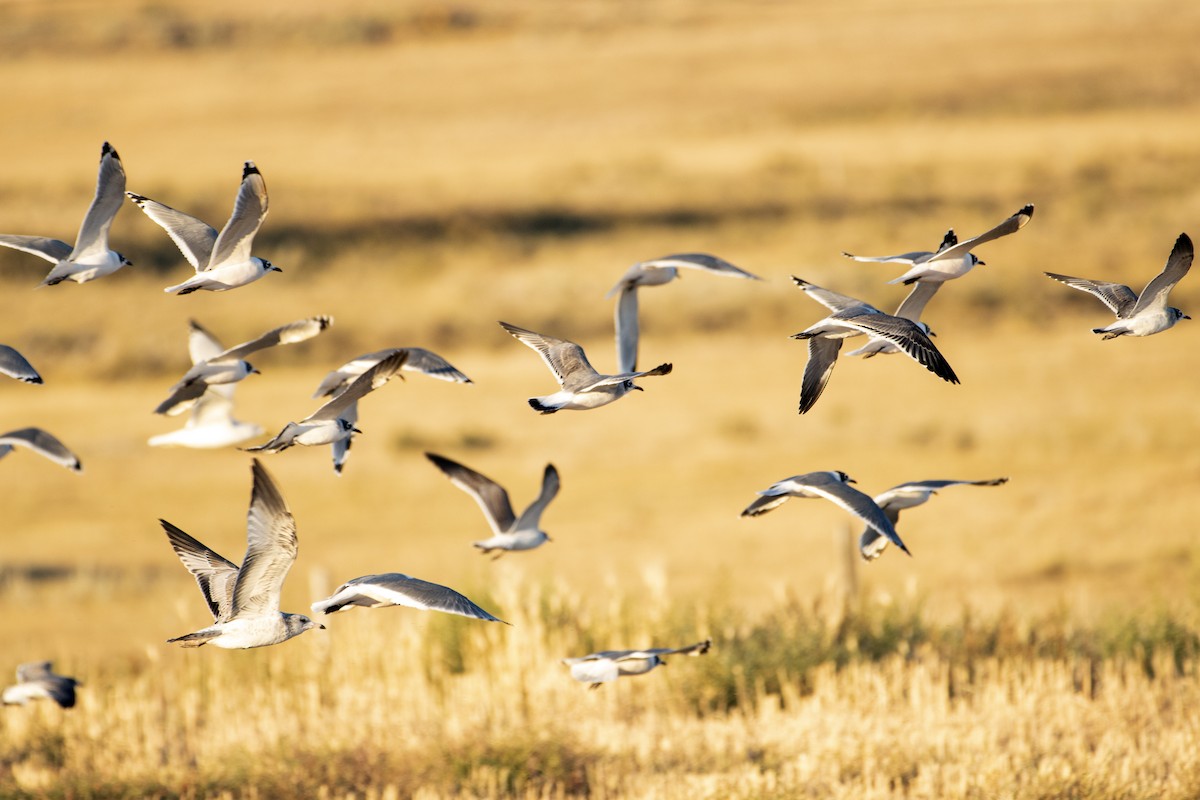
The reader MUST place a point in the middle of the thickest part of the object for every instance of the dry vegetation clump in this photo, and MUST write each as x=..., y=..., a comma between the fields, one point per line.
x=802, y=700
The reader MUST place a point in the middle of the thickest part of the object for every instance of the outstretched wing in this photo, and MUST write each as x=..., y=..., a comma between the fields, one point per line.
x=42, y=443
x=370, y=380
x=550, y=485
x=832, y=300
x=234, y=242
x=1011, y=225
x=564, y=358
x=15, y=365
x=270, y=551
x=904, y=334
x=193, y=237
x=398, y=589
x=491, y=496
x=1119, y=298
x=92, y=239
x=1178, y=264
x=291, y=333
x=214, y=573
x=419, y=360
x=822, y=357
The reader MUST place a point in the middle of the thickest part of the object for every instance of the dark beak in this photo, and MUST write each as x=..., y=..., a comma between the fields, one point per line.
x=277, y=269
x=253, y=371
x=851, y=480
x=355, y=430
x=1185, y=316
x=635, y=386
x=981, y=263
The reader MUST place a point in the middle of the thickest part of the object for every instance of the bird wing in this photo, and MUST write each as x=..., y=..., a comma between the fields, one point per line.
x=249, y=210
x=183, y=397
x=214, y=573
x=626, y=326
x=832, y=300
x=419, y=360
x=202, y=345
x=550, y=485
x=701, y=261
x=564, y=358
x=270, y=551
x=42, y=443
x=215, y=406
x=914, y=305
x=1011, y=225
x=822, y=357
x=291, y=333
x=396, y=588
x=904, y=334
x=913, y=258
x=53, y=250
x=370, y=380
x=92, y=239
x=1178, y=264
x=1119, y=298
x=194, y=237
x=608, y=380
x=860, y=505
x=15, y=365
x=697, y=649
x=491, y=496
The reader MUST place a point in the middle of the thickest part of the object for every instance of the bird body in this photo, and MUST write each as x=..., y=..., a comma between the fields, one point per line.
x=36, y=681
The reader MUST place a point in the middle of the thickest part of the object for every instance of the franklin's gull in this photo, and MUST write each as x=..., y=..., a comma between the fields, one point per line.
x=222, y=261
x=91, y=257
x=582, y=386
x=42, y=443
x=510, y=532
x=15, y=365
x=833, y=486
x=37, y=680
x=1145, y=314
x=608, y=665
x=906, y=495
x=398, y=589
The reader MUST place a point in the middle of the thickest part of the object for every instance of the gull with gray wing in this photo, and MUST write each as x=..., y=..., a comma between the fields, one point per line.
x=833, y=486
x=328, y=424
x=1145, y=314
x=951, y=260
x=850, y=318
x=597, y=669
x=222, y=261
x=212, y=365
x=91, y=256
x=15, y=365
x=510, y=532
x=907, y=495
x=244, y=601
x=419, y=359
x=37, y=680
x=657, y=272
x=582, y=386
x=398, y=589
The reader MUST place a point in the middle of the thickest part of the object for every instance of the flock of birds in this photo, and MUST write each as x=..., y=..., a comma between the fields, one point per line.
x=244, y=599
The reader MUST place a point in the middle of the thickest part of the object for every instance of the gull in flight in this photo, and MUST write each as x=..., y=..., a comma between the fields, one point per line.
x=15, y=365
x=853, y=317
x=907, y=495
x=833, y=486
x=419, y=359
x=213, y=365
x=244, y=600
x=608, y=665
x=398, y=589
x=327, y=424
x=222, y=261
x=582, y=387
x=91, y=257
x=1145, y=314
x=42, y=443
x=38, y=680
x=510, y=532
x=954, y=258
x=656, y=273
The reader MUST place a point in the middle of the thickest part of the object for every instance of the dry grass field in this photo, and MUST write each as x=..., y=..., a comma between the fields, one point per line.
x=434, y=168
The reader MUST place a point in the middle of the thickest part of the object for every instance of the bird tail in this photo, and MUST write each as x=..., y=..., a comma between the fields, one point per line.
x=538, y=405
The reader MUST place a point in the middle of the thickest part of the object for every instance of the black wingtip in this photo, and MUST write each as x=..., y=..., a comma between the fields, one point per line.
x=137, y=198
x=1027, y=210
x=107, y=148
x=37, y=379
x=249, y=169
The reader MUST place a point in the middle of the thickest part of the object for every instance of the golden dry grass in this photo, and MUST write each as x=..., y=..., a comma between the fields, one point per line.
x=435, y=169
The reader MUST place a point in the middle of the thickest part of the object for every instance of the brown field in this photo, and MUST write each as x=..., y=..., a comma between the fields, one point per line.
x=435, y=168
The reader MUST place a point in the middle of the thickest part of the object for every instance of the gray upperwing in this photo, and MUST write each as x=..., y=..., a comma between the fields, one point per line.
x=16, y=366
x=862, y=506
x=564, y=358
x=626, y=326
x=194, y=237
x=550, y=486
x=370, y=380
x=234, y=242
x=1178, y=264
x=491, y=497
x=913, y=258
x=426, y=595
x=110, y=193
x=1119, y=298
x=1011, y=225
x=270, y=550
x=907, y=336
x=44, y=444
x=701, y=261
x=832, y=300
x=214, y=573
x=53, y=250
x=298, y=331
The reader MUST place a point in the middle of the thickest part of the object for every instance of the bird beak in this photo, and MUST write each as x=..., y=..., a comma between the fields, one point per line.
x=277, y=269
x=931, y=333
x=851, y=480
x=981, y=263
x=548, y=539
x=355, y=430
x=1185, y=316
x=319, y=625
x=254, y=371
x=635, y=386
